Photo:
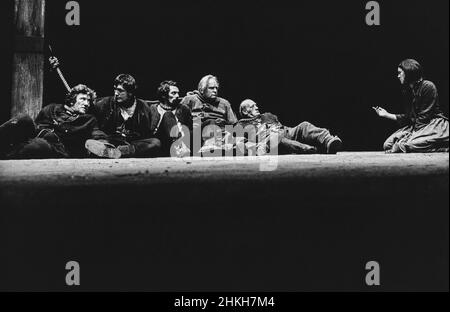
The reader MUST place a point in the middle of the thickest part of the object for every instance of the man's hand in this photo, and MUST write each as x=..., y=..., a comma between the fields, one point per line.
x=381, y=111
x=53, y=62
x=192, y=92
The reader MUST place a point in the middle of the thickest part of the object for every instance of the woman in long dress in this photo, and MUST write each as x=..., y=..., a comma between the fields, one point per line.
x=424, y=128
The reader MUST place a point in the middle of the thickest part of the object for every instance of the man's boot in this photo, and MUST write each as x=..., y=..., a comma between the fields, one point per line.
x=334, y=145
x=102, y=149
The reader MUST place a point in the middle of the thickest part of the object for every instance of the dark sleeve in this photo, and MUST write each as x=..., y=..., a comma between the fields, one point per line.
x=187, y=117
x=96, y=133
x=425, y=106
x=100, y=111
x=428, y=102
x=84, y=126
x=231, y=116
x=404, y=119
x=44, y=119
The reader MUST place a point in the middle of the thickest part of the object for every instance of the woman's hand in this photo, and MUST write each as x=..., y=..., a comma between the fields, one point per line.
x=381, y=111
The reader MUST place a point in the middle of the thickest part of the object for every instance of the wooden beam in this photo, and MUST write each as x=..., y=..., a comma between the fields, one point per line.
x=28, y=59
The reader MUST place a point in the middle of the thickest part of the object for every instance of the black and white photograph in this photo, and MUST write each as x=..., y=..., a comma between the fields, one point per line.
x=224, y=154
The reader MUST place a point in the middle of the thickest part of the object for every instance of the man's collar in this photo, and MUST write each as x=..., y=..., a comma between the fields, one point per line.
x=208, y=100
x=251, y=118
x=134, y=101
x=162, y=109
x=166, y=106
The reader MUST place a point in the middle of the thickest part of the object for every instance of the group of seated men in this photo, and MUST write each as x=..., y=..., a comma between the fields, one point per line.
x=124, y=126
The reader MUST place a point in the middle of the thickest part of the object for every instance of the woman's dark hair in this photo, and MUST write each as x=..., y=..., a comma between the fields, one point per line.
x=413, y=70
x=127, y=81
x=164, y=89
x=71, y=97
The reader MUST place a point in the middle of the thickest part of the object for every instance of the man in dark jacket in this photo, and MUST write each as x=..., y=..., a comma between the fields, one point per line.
x=305, y=138
x=127, y=122
x=171, y=121
x=59, y=130
x=211, y=114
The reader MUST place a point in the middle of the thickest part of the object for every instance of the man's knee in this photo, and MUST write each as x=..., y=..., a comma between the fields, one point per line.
x=36, y=149
x=147, y=148
x=305, y=125
x=19, y=128
x=156, y=143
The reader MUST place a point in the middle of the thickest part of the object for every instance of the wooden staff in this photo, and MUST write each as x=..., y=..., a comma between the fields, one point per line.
x=58, y=70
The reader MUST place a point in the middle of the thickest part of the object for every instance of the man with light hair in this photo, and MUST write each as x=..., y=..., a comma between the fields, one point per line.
x=210, y=114
x=304, y=138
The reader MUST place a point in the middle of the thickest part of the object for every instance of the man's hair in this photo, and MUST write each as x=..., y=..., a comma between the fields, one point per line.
x=203, y=84
x=243, y=107
x=164, y=89
x=127, y=81
x=413, y=70
x=71, y=96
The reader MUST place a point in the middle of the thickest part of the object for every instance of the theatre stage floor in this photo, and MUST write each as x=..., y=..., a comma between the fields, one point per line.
x=288, y=223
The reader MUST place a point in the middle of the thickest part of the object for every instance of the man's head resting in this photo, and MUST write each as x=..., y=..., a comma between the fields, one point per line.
x=80, y=98
x=248, y=109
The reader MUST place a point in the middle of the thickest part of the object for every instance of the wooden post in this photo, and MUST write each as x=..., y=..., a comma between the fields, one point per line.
x=28, y=59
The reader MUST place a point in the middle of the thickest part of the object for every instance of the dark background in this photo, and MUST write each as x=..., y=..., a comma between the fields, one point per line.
x=315, y=61
x=301, y=60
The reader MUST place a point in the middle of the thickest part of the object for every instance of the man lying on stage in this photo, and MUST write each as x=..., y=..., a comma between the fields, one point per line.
x=127, y=122
x=210, y=114
x=59, y=131
x=302, y=139
x=171, y=120
x=424, y=128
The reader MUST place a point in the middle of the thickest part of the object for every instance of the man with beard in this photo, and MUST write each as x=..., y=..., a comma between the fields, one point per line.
x=210, y=115
x=59, y=130
x=127, y=122
x=265, y=128
x=171, y=121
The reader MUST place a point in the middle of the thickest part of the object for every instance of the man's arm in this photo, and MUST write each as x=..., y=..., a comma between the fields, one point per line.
x=44, y=119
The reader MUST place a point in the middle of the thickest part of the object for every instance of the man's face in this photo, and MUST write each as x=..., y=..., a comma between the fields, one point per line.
x=252, y=110
x=401, y=75
x=212, y=89
x=174, y=94
x=121, y=95
x=81, y=104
